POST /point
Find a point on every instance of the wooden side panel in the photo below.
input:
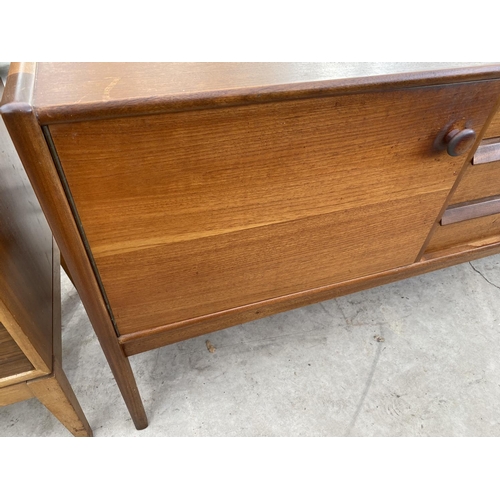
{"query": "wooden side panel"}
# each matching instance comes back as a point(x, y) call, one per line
point(25, 255)
point(197, 212)
point(56, 394)
point(12, 359)
point(20, 118)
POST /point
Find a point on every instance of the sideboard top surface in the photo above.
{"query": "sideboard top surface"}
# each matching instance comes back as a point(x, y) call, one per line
point(80, 91)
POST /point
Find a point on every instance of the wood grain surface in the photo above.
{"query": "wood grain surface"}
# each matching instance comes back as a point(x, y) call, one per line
point(221, 193)
point(479, 181)
point(192, 213)
point(12, 359)
point(80, 91)
point(144, 341)
point(25, 259)
point(483, 229)
point(56, 394)
point(24, 129)
point(494, 128)
point(14, 394)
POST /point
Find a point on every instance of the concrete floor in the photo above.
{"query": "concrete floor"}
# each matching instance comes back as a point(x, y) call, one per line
point(315, 371)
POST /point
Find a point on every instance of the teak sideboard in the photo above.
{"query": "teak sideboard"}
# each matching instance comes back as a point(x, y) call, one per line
point(189, 197)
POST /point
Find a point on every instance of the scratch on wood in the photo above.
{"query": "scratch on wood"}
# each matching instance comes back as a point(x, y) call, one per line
point(107, 91)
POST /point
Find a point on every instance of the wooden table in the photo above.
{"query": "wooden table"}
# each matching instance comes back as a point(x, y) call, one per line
point(30, 300)
point(190, 197)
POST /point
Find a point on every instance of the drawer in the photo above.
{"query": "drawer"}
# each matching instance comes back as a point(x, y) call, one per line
point(493, 129)
point(473, 214)
point(479, 181)
point(471, 210)
point(470, 223)
point(191, 213)
point(472, 233)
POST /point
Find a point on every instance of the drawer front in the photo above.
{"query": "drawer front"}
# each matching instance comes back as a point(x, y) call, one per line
point(493, 129)
point(470, 233)
point(471, 210)
point(191, 213)
point(479, 181)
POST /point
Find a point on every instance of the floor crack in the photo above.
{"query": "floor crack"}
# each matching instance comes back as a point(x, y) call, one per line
point(342, 312)
point(368, 384)
point(326, 310)
point(483, 276)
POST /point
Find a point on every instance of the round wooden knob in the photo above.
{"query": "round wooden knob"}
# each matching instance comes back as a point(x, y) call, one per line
point(459, 142)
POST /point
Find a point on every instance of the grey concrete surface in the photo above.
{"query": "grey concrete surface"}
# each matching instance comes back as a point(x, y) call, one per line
point(321, 370)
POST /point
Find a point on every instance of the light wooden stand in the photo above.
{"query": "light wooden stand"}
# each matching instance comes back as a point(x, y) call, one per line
point(30, 300)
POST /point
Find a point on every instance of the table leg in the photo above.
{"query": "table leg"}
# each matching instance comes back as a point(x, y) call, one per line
point(56, 394)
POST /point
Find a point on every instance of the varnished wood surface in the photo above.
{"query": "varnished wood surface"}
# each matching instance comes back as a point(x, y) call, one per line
point(145, 341)
point(480, 136)
point(454, 235)
point(53, 390)
point(14, 394)
point(137, 94)
point(23, 340)
point(56, 394)
point(191, 213)
point(23, 126)
point(189, 279)
point(471, 210)
point(12, 359)
point(30, 299)
point(479, 181)
point(25, 257)
point(494, 128)
point(78, 91)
